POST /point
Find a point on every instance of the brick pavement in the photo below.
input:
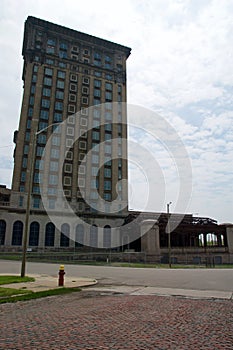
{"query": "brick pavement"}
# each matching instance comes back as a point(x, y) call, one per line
point(124, 322)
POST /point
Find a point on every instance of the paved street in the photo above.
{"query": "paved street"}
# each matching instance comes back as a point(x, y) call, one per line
point(85, 321)
point(193, 279)
point(123, 311)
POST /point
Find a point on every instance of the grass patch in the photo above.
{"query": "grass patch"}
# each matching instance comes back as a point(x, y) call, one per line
point(37, 295)
point(15, 279)
point(8, 292)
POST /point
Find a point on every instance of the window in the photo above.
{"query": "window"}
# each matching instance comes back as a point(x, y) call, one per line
point(62, 65)
point(47, 81)
point(84, 100)
point(73, 77)
point(79, 235)
point(39, 164)
point(85, 90)
point(34, 78)
point(23, 176)
point(44, 114)
point(107, 196)
point(67, 181)
point(82, 169)
point(94, 236)
point(65, 233)
point(52, 191)
point(45, 103)
point(36, 202)
point(55, 153)
point(72, 97)
point(94, 170)
point(17, 233)
point(108, 96)
point(62, 54)
point(33, 89)
point(82, 145)
point(86, 80)
point(107, 185)
point(60, 84)
point(69, 142)
point(49, 61)
point(69, 155)
point(53, 166)
point(68, 169)
point(36, 178)
point(97, 83)
point(59, 95)
point(24, 164)
point(95, 158)
point(108, 86)
point(71, 119)
point(98, 74)
point(39, 151)
point(83, 122)
point(25, 150)
point(46, 92)
point(70, 131)
point(35, 68)
point(31, 100)
point(34, 234)
point(73, 87)
point(82, 157)
point(41, 139)
point(94, 195)
point(57, 117)
point(20, 201)
point(95, 135)
point(71, 108)
point(30, 111)
point(53, 179)
point(27, 136)
point(51, 42)
point(107, 237)
point(107, 172)
point(42, 125)
point(108, 76)
point(2, 231)
point(97, 93)
point(81, 182)
point(48, 71)
point(61, 74)
point(108, 148)
point(36, 189)
point(96, 124)
point(49, 234)
point(56, 141)
point(58, 106)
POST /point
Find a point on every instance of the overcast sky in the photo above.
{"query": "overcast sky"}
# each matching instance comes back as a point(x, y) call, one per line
point(181, 67)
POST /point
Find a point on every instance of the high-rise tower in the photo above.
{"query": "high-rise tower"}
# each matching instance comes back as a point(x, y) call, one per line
point(65, 72)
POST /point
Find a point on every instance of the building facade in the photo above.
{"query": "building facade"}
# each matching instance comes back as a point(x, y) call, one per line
point(71, 153)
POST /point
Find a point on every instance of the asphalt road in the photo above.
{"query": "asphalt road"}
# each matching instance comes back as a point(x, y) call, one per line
point(196, 279)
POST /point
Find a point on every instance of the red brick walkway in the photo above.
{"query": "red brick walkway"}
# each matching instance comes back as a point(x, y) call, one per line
point(75, 322)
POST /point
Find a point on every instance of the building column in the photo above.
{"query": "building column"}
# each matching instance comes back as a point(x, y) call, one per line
point(150, 237)
point(229, 232)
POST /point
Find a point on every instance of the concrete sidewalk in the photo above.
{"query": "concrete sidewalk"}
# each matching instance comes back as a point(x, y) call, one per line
point(140, 290)
point(46, 282)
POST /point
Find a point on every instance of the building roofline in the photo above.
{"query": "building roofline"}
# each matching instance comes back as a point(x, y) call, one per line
point(76, 34)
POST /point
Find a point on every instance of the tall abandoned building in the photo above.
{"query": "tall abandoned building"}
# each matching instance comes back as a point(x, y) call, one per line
point(74, 109)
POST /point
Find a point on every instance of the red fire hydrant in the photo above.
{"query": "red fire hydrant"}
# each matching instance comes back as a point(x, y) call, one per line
point(61, 275)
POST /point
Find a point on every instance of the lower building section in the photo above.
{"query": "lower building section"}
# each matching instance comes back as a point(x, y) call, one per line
point(136, 237)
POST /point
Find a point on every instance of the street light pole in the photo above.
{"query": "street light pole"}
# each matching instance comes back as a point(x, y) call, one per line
point(169, 235)
point(27, 214)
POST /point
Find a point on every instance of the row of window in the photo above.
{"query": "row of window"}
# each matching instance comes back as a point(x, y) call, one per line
point(17, 234)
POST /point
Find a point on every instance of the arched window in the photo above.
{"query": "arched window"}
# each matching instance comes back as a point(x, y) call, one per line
point(2, 231)
point(79, 236)
point(65, 233)
point(34, 234)
point(94, 236)
point(49, 234)
point(17, 234)
point(107, 237)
